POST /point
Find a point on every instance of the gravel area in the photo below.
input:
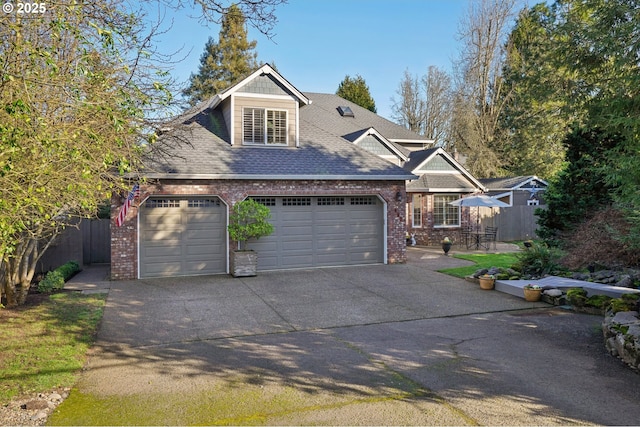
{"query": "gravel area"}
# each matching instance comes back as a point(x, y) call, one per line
point(31, 410)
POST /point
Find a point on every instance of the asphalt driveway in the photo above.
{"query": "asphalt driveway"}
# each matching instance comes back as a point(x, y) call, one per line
point(370, 345)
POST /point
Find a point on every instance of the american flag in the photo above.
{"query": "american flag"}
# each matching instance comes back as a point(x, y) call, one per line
point(135, 192)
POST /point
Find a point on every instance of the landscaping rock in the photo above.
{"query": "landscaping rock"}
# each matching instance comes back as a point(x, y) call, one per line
point(625, 281)
point(581, 276)
point(31, 410)
point(622, 336)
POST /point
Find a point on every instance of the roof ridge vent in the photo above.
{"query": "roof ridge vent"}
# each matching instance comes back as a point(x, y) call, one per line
point(345, 111)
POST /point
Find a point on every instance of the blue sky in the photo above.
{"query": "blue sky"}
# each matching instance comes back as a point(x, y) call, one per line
point(318, 42)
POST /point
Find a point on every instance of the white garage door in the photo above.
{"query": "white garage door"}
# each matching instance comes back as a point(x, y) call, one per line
point(182, 237)
point(321, 231)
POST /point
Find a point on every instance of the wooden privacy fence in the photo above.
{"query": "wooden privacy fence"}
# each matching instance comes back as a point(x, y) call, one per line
point(89, 243)
point(514, 223)
point(96, 241)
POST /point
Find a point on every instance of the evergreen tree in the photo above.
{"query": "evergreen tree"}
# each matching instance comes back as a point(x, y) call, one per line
point(580, 188)
point(356, 90)
point(534, 118)
point(223, 63)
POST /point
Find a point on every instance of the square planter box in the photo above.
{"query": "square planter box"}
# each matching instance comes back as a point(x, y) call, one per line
point(244, 263)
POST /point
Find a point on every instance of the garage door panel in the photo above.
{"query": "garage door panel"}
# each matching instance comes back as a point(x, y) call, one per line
point(295, 232)
point(297, 245)
point(196, 267)
point(166, 269)
point(158, 221)
point(162, 251)
point(325, 231)
point(182, 237)
point(205, 220)
point(204, 250)
point(326, 244)
point(331, 229)
point(168, 236)
point(363, 243)
point(297, 260)
point(332, 215)
point(207, 234)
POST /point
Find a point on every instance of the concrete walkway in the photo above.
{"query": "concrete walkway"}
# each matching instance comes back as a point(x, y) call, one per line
point(362, 345)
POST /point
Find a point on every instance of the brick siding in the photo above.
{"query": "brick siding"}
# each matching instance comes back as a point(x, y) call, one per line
point(124, 239)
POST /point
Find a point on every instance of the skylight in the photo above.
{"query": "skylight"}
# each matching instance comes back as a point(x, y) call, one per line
point(345, 111)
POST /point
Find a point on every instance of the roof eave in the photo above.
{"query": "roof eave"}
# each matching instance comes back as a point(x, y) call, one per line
point(271, 177)
point(441, 190)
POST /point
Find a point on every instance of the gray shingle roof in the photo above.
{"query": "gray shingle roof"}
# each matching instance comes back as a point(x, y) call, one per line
point(323, 111)
point(201, 149)
point(417, 157)
point(441, 183)
point(509, 183)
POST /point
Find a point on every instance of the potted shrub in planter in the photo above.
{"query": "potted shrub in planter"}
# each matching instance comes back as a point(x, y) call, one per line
point(532, 292)
point(248, 220)
point(487, 281)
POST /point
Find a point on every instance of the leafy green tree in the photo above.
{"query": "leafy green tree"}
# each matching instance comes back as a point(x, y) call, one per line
point(73, 104)
point(534, 120)
point(602, 38)
point(583, 74)
point(80, 91)
point(580, 188)
point(356, 90)
point(223, 63)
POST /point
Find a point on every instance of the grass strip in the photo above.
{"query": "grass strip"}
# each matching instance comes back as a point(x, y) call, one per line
point(44, 344)
point(505, 260)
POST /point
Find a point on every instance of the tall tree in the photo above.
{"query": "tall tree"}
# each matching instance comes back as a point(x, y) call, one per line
point(479, 85)
point(259, 13)
point(356, 90)
point(602, 48)
point(535, 118)
point(223, 63)
point(71, 123)
point(424, 104)
point(79, 86)
point(410, 109)
point(438, 98)
point(580, 188)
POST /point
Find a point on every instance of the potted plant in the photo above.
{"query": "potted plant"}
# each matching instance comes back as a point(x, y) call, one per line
point(487, 281)
point(248, 220)
point(532, 292)
point(446, 245)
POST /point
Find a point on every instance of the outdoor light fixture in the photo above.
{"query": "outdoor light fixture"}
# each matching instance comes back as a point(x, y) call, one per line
point(398, 197)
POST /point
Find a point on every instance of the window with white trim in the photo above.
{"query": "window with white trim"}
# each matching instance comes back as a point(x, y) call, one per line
point(261, 126)
point(444, 214)
point(416, 202)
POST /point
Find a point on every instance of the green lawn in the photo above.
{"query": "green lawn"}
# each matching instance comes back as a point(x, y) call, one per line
point(481, 261)
point(44, 343)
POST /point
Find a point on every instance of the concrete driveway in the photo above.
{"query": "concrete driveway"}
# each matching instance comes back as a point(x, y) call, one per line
point(371, 345)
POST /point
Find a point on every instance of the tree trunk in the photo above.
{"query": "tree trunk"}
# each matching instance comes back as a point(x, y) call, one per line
point(17, 271)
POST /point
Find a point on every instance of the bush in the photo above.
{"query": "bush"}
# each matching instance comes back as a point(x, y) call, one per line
point(249, 220)
point(54, 280)
point(538, 260)
point(602, 240)
point(577, 297)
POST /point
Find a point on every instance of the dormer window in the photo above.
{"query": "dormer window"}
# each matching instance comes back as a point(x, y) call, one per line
point(261, 126)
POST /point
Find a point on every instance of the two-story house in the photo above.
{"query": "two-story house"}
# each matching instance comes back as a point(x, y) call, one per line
point(331, 178)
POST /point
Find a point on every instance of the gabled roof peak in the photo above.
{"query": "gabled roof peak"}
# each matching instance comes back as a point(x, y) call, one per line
point(266, 69)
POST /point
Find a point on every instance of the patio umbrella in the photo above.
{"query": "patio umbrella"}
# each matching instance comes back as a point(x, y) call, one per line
point(479, 201)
